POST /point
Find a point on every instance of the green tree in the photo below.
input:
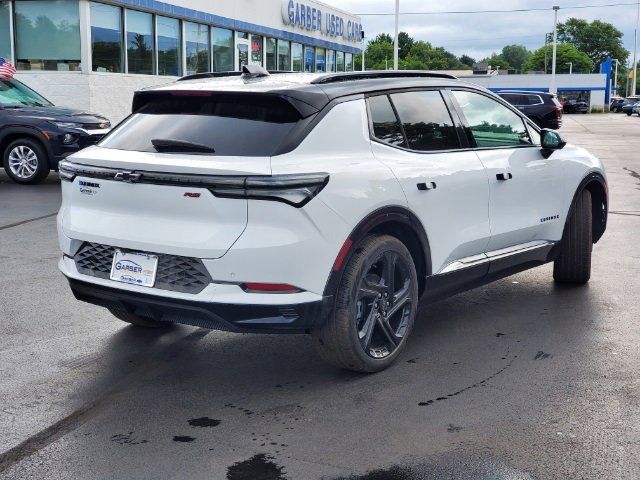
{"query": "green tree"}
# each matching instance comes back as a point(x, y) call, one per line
point(467, 60)
point(405, 42)
point(496, 60)
point(382, 38)
point(566, 53)
point(597, 39)
point(378, 55)
point(515, 55)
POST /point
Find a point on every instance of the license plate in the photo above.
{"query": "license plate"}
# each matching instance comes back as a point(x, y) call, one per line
point(134, 268)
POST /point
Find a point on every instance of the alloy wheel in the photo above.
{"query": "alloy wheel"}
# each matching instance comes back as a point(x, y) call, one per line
point(383, 305)
point(23, 162)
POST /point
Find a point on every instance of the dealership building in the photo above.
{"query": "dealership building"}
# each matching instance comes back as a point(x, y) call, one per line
point(94, 54)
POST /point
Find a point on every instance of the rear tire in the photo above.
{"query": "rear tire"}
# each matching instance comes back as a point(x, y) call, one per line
point(25, 161)
point(574, 263)
point(375, 307)
point(122, 314)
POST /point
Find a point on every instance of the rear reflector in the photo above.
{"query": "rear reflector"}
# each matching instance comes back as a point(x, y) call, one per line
point(343, 253)
point(253, 287)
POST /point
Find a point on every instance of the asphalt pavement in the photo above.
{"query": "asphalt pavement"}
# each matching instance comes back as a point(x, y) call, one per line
point(520, 379)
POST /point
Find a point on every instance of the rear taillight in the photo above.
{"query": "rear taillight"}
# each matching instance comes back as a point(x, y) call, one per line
point(256, 287)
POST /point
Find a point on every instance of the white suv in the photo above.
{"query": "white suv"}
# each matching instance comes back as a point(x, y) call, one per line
point(325, 204)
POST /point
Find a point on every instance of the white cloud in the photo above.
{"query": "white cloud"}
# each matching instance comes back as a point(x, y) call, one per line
point(481, 34)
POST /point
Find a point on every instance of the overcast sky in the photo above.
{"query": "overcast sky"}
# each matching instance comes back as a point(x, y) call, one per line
point(481, 34)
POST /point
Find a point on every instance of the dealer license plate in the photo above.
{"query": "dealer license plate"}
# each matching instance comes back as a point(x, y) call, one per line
point(134, 268)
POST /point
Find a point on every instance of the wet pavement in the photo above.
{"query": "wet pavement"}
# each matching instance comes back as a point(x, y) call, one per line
point(520, 379)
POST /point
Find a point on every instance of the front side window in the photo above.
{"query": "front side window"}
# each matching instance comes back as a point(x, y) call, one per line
point(256, 50)
point(169, 46)
point(386, 127)
point(426, 120)
point(5, 31)
point(222, 45)
point(197, 43)
point(220, 124)
point(491, 123)
point(139, 42)
point(271, 54)
point(284, 55)
point(296, 57)
point(106, 38)
point(47, 35)
point(339, 61)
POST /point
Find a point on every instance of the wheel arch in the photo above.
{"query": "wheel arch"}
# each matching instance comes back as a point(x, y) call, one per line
point(10, 134)
point(397, 221)
point(597, 186)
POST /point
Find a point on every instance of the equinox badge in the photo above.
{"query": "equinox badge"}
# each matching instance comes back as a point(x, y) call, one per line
point(129, 177)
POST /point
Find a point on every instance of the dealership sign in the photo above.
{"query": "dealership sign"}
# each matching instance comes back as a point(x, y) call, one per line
point(316, 17)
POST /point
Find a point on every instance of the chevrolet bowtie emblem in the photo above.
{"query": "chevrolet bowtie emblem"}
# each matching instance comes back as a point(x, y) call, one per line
point(129, 177)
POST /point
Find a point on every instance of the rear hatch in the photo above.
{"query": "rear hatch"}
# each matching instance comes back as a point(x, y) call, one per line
point(147, 185)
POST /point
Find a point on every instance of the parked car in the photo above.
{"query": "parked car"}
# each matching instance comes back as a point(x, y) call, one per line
point(541, 107)
point(575, 106)
point(325, 204)
point(35, 135)
point(627, 105)
point(616, 105)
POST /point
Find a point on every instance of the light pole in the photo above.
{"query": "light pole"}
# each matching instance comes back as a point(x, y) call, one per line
point(395, 43)
point(615, 77)
point(362, 36)
point(552, 88)
point(635, 49)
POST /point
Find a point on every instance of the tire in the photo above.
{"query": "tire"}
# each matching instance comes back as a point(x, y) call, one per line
point(628, 114)
point(574, 263)
point(353, 337)
point(122, 314)
point(25, 161)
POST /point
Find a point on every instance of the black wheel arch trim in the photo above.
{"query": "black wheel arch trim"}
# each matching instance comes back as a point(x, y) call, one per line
point(31, 133)
point(600, 211)
point(373, 221)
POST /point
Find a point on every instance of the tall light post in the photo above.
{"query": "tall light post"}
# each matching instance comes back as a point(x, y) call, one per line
point(362, 36)
point(635, 49)
point(395, 42)
point(615, 76)
point(552, 88)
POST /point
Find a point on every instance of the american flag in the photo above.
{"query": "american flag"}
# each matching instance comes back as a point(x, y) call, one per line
point(6, 69)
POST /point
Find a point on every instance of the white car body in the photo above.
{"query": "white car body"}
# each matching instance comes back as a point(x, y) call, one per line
point(471, 227)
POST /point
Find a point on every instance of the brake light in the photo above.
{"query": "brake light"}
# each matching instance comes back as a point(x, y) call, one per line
point(191, 93)
point(256, 287)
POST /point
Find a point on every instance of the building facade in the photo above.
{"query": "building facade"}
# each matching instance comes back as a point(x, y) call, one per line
point(94, 54)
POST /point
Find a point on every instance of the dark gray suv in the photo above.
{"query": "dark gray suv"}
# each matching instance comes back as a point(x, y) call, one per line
point(543, 108)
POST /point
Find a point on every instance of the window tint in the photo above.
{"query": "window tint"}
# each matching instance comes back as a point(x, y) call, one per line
point(426, 120)
point(385, 124)
point(533, 100)
point(492, 124)
point(247, 125)
point(513, 98)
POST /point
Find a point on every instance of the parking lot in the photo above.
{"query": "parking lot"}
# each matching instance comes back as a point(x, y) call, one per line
point(519, 379)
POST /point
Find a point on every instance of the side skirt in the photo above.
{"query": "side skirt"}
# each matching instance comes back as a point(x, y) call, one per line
point(443, 285)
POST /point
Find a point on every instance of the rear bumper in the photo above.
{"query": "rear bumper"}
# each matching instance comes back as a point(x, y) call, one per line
point(249, 318)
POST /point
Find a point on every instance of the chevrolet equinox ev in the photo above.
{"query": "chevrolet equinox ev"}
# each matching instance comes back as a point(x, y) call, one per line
point(326, 204)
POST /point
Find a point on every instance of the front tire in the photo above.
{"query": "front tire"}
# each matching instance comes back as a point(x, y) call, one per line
point(25, 161)
point(574, 263)
point(122, 314)
point(374, 310)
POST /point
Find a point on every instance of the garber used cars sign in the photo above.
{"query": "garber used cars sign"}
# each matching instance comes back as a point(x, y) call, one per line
point(316, 17)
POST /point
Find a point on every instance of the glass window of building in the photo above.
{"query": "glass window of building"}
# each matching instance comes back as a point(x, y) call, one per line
point(348, 62)
point(222, 49)
point(309, 59)
point(256, 50)
point(320, 60)
point(139, 42)
point(5, 31)
point(339, 61)
point(197, 47)
point(284, 55)
point(47, 35)
point(331, 60)
point(106, 38)
point(242, 44)
point(169, 51)
point(271, 54)
point(296, 57)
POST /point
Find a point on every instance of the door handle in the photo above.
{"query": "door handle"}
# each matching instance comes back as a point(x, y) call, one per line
point(426, 186)
point(504, 176)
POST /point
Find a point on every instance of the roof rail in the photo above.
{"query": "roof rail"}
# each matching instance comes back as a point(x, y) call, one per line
point(371, 74)
point(231, 73)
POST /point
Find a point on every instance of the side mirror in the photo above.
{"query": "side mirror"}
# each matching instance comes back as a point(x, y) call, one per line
point(551, 140)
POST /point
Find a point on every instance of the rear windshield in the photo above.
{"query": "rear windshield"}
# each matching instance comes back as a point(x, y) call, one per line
point(228, 125)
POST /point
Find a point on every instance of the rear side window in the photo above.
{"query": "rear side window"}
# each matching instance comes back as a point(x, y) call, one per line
point(386, 127)
point(492, 124)
point(533, 100)
point(426, 121)
point(513, 98)
point(227, 125)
